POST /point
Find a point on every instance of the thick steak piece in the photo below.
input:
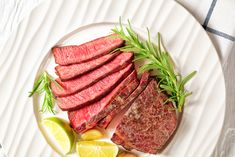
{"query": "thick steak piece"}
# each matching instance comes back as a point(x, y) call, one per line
point(66, 55)
point(88, 116)
point(86, 80)
point(148, 123)
point(94, 92)
point(124, 100)
point(66, 72)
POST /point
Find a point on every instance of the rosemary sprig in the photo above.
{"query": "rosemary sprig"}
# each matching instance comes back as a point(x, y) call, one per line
point(159, 59)
point(42, 86)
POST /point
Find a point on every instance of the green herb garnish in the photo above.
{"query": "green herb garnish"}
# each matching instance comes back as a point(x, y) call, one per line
point(42, 86)
point(159, 59)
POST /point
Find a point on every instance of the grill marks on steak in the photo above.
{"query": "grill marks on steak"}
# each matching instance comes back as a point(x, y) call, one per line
point(125, 99)
point(77, 54)
point(74, 70)
point(88, 116)
point(94, 92)
point(80, 83)
point(149, 123)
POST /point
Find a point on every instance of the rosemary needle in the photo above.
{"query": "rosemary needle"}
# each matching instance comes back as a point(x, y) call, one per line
point(42, 86)
point(159, 59)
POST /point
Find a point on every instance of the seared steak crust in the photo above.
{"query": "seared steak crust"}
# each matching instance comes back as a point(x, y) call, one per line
point(149, 123)
point(125, 100)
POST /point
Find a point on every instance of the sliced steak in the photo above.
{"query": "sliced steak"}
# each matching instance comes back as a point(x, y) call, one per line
point(94, 92)
point(82, 82)
point(124, 100)
point(66, 55)
point(66, 72)
point(88, 116)
point(148, 123)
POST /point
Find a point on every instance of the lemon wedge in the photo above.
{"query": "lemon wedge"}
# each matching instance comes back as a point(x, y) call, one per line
point(96, 149)
point(92, 134)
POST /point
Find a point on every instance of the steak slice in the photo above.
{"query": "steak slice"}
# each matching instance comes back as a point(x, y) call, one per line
point(86, 80)
point(80, 53)
point(148, 123)
point(88, 116)
point(94, 92)
point(66, 72)
point(125, 100)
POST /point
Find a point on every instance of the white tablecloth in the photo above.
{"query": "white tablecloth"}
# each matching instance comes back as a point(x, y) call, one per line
point(216, 16)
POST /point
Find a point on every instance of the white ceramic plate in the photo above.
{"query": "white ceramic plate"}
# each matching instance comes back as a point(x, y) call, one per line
point(28, 52)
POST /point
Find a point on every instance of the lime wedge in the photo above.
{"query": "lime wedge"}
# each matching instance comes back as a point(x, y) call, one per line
point(61, 132)
point(92, 134)
point(96, 149)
